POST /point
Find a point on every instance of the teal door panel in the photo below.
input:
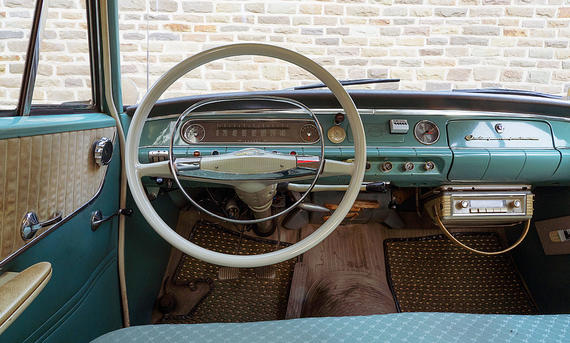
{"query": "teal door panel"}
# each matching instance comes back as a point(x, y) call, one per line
point(84, 280)
point(95, 313)
point(146, 268)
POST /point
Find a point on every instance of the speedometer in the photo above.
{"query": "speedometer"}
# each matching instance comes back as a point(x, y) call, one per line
point(426, 132)
point(192, 133)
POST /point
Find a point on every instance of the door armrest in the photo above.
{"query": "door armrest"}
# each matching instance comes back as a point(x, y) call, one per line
point(18, 290)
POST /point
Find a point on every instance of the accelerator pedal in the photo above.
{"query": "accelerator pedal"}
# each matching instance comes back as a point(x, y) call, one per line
point(266, 272)
point(228, 273)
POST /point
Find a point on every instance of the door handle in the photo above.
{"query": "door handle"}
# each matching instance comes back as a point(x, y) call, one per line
point(31, 224)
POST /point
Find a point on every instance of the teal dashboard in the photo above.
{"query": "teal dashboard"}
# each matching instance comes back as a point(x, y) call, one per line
point(413, 138)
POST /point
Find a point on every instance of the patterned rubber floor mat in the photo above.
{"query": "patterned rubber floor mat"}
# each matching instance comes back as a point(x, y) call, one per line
point(431, 274)
point(247, 294)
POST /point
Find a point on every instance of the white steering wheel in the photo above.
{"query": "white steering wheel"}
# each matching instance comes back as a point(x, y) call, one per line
point(136, 170)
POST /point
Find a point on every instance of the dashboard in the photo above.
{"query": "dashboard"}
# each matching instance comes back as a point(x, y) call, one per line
point(413, 139)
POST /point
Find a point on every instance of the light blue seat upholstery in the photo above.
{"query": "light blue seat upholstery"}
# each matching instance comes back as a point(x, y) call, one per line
point(400, 327)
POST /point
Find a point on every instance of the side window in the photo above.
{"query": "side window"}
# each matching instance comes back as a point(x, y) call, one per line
point(64, 74)
point(15, 26)
point(63, 77)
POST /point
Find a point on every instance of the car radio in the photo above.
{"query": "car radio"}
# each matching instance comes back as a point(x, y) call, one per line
point(480, 205)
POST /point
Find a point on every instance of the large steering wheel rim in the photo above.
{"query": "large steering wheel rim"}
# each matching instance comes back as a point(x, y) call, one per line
point(132, 163)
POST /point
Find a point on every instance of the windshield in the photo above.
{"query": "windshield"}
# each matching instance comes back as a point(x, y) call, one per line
point(429, 45)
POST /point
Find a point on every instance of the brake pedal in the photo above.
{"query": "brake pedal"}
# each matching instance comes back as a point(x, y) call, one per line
point(266, 272)
point(228, 273)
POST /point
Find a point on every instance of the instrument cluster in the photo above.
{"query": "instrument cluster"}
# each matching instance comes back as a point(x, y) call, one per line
point(247, 131)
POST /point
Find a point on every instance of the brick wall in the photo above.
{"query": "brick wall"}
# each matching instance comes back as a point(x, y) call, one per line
point(429, 44)
point(63, 72)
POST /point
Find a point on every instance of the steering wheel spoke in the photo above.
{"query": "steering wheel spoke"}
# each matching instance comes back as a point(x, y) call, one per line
point(335, 168)
point(155, 169)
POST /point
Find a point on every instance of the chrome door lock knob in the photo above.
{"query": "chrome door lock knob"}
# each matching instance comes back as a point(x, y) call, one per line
point(102, 151)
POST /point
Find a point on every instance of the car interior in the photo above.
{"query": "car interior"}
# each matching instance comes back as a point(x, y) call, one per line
point(315, 213)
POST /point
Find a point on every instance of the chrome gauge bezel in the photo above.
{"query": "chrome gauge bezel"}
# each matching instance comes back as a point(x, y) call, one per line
point(311, 127)
point(184, 131)
point(432, 123)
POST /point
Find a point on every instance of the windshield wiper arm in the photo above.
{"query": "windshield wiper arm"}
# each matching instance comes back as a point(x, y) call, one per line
point(347, 83)
point(508, 92)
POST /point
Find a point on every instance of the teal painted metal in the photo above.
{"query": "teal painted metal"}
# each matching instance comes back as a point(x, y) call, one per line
point(517, 134)
point(562, 174)
point(11, 127)
point(377, 127)
point(561, 133)
point(540, 165)
point(469, 164)
point(499, 159)
point(523, 152)
point(113, 16)
point(146, 258)
point(96, 311)
point(535, 161)
point(77, 256)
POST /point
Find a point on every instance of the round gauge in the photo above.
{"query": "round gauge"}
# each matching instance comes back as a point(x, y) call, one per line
point(192, 133)
point(336, 134)
point(309, 133)
point(426, 132)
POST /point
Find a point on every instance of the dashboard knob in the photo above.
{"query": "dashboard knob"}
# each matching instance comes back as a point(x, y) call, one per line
point(429, 165)
point(102, 151)
point(517, 203)
point(499, 128)
point(386, 166)
point(408, 166)
point(464, 203)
